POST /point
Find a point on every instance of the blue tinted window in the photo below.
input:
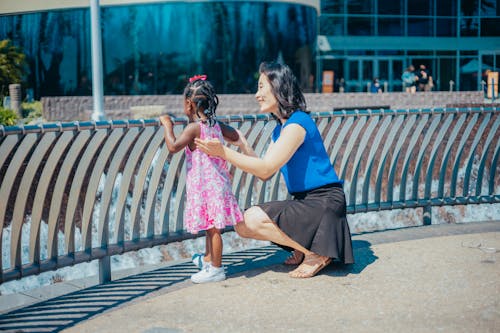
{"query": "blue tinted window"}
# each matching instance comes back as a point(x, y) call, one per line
point(446, 27)
point(360, 7)
point(420, 7)
point(419, 27)
point(390, 26)
point(147, 49)
point(360, 26)
point(391, 7)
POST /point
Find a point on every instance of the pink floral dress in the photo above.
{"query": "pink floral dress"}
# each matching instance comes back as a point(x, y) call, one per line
point(210, 201)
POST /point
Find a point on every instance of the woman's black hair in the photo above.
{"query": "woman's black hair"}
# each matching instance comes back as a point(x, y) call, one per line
point(285, 88)
point(202, 93)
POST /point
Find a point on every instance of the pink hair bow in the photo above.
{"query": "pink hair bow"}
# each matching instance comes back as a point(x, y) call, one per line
point(197, 77)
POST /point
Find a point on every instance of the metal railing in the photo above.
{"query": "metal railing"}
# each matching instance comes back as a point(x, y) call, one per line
point(89, 190)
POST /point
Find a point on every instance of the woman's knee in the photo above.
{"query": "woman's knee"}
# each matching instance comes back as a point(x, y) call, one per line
point(252, 219)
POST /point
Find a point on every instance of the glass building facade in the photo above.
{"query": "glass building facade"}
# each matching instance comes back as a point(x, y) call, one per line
point(152, 48)
point(457, 40)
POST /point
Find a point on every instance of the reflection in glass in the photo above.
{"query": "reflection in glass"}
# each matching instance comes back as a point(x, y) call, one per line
point(446, 8)
point(332, 25)
point(360, 26)
point(420, 7)
point(394, 7)
point(360, 7)
point(490, 27)
point(419, 27)
point(147, 49)
point(446, 27)
point(390, 27)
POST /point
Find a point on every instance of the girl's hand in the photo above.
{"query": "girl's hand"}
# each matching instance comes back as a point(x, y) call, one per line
point(212, 147)
point(165, 120)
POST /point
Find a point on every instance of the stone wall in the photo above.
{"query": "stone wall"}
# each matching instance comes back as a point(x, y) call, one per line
point(71, 108)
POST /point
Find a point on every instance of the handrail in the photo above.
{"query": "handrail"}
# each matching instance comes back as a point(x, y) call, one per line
point(89, 190)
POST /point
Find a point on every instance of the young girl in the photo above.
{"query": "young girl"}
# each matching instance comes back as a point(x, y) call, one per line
point(210, 203)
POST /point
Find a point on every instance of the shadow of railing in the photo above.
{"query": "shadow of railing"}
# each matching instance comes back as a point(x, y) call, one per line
point(55, 314)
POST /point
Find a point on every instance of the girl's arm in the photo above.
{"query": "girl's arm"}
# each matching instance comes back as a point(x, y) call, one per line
point(229, 133)
point(276, 155)
point(234, 137)
point(186, 138)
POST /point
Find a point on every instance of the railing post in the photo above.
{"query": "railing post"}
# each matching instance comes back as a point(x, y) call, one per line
point(427, 216)
point(104, 269)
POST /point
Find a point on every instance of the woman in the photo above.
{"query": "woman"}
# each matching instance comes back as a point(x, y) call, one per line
point(314, 222)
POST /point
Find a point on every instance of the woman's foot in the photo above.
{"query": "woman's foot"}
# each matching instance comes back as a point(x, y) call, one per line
point(311, 265)
point(295, 259)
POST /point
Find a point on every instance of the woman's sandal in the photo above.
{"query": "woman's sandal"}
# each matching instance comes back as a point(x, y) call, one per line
point(311, 265)
point(295, 259)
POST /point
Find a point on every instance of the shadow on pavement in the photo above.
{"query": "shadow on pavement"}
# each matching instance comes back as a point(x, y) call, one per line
point(56, 314)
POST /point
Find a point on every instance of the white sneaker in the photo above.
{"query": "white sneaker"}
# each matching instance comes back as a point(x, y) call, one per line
point(209, 274)
point(198, 261)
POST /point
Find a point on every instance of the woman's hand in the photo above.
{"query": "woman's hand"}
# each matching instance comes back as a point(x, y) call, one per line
point(212, 147)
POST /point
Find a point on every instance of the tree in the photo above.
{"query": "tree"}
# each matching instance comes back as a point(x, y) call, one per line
point(12, 65)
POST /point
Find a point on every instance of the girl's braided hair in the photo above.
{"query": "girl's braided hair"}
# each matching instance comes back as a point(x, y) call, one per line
point(202, 93)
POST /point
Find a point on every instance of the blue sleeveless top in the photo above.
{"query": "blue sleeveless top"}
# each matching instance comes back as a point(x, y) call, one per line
point(310, 166)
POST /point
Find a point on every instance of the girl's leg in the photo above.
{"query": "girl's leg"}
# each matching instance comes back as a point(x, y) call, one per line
point(214, 242)
point(207, 257)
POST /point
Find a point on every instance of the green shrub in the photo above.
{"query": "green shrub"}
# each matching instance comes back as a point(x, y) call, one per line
point(31, 111)
point(7, 117)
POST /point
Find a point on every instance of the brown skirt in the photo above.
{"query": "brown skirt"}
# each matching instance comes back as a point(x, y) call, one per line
point(316, 220)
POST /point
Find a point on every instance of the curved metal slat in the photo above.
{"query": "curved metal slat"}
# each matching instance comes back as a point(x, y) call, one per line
point(327, 139)
point(15, 164)
point(460, 149)
point(62, 180)
point(493, 133)
point(413, 141)
point(62, 143)
point(362, 146)
point(154, 182)
point(59, 189)
point(176, 223)
point(259, 147)
point(28, 176)
point(140, 180)
point(405, 133)
point(493, 170)
point(386, 124)
point(112, 139)
point(251, 133)
point(447, 153)
point(245, 128)
point(353, 138)
point(395, 128)
point(113, 170)
point(74, 194)
point(176, 162)
point(424, 144)
point(6, 147)
point(339, 140)
point(127, 175)
point(472, 152)
point(443, 130)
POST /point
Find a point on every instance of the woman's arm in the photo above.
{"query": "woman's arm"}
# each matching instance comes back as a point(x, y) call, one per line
point(186, 138)
point(276, 155)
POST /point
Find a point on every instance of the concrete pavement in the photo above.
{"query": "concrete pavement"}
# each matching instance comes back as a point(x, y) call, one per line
point(441, 278)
